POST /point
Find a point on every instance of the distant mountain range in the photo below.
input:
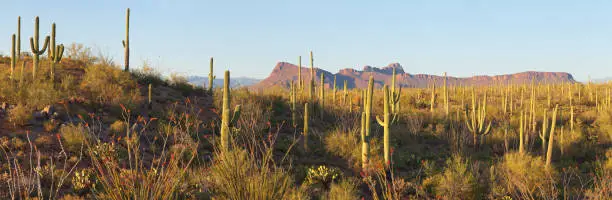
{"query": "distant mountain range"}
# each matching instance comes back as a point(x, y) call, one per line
point(234, 81)
point(283, 73)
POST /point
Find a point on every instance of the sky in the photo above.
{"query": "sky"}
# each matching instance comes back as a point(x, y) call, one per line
point(461, 37)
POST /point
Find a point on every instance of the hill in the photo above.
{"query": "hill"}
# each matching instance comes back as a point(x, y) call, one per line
point(283, 73)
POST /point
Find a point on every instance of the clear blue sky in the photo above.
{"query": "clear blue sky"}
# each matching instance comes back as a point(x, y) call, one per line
point(464, 38)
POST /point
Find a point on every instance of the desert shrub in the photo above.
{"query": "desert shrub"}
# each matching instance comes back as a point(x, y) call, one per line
point(457, 181)
point(346, 189)
point(236, 175)
point(77, 51)
point(118, 127)
point(109, 85)
point(147, 75)
point(20, 115)
point(345, 145)
point(604, 123)
point(74, 136)
point(322, 175)
point(525, 177)
point(43, 140)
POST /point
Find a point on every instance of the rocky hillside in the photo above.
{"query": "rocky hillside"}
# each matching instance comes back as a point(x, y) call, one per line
point(284, 73)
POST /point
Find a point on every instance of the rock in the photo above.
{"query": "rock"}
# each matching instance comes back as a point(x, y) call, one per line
point(4, 106)
point(47, 111)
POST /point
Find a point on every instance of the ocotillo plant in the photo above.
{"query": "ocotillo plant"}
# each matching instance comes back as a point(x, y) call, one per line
point(34, 46)
point(305, 133)
point(386, 123)
point(365, 125)
point(55, 53)
point(551, 137)
point(476, 120)
point(211, 77)
point(13, 57)
point(226, 120)
point(322, 96)
point(126, 42)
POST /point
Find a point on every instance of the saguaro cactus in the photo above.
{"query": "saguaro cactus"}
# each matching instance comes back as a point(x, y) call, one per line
point(551, 137)
point(150, 96)
point(55, 53)
point(300, 83)
point(305, 133)
point(293, 102)
point(34, 46)
point(334, 91)
point(544, 130)
point(18, 37)
point(126, 42)
point(13, 57)
point(522, 133)
point(386, 123)
point(365, 125)
point(394, 95)
point(226, 120)
point(433, 96)
point(312, 78)
point(476, 121)
point(211, 77)
point(445, 91)
point(322, 96)
point(345, 95)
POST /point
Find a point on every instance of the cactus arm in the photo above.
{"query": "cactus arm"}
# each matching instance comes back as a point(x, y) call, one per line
point(44, 48)
point(235, 116)
point(380, 122)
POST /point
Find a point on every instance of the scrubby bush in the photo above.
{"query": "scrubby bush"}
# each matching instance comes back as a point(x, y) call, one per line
point(109, 85)
point(457, 181)
point(525, 177)
point(20, 115)
point(236, 175)
point(74, 136)
point(346, 189)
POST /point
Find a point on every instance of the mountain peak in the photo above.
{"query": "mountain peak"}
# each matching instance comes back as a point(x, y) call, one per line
point(285, 72)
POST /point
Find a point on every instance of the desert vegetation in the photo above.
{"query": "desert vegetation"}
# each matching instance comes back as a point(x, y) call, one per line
point(79, 127)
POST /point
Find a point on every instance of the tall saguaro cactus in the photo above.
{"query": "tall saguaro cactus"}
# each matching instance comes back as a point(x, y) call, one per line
point(35, 47)
point(433, 96)
point(394, 95)
point(544, 130)
point(386, 123)
point(312, 78)
point(334, 91)
point(345, 95)
point(445, 91)
point(293, 102)
point(300, 83)
point(365, 124)
point(18, 47)
point(211, 77)
point(476, 120)
point(226, 120)
point(322, 96)
point(551, 137)
point(13, 57)
point(126, 42)
point(305, 133)
point(55, 53)
point(522, 133)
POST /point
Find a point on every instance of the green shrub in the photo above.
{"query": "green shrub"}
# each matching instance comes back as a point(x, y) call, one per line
point(457, 181)
point(20, 115)
point(237, 175)
point(74, 136)
point(110, 85)
point(525, 177)
point(346, 189)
